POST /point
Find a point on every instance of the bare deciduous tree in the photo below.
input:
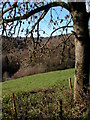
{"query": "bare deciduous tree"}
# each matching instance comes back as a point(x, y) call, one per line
point(13, 15)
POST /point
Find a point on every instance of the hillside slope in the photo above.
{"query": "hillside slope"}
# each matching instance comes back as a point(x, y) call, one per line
point(39, 96)
point(56, 55)
point(36, 82)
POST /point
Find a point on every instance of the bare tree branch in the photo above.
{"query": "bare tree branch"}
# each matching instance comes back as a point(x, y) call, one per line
point(55, 31)
point(13, 6)
point(61, 28)
point(32, 12)
point(40, 18)
point(63, 41)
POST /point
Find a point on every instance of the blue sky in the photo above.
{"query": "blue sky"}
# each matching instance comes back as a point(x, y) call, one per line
point(62, 14)
point(45, 24)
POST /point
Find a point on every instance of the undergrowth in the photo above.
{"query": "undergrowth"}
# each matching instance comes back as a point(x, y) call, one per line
point(50, 104)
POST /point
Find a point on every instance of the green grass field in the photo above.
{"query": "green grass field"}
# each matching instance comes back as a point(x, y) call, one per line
point(32, 106)
point(38, 81)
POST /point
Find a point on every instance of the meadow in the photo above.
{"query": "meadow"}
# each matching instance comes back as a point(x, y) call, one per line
point(38, 81)
point(42, 96)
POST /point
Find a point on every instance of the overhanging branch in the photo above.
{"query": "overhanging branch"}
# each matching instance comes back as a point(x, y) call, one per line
point(40, 18)
point(55, 31)
point(61, 28)
point(32, 12)
point(13, 6)
point(63, 41)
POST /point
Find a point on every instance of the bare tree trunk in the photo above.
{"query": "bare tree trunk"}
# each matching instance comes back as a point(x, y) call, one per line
point(80, 21)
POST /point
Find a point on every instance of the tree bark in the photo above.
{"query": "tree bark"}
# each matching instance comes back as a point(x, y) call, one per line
point(80, 24)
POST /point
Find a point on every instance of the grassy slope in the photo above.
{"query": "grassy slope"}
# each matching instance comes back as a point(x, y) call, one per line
point(35, 82)
point(38, 81)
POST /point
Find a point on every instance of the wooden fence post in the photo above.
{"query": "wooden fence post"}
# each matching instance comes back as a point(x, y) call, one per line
point(70, 84)
point(60, 113)
point(47, 108)
point(43, 115)
point(14, 107)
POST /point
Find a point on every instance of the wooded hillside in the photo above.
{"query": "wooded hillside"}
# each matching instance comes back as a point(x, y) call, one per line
point(21, 59)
